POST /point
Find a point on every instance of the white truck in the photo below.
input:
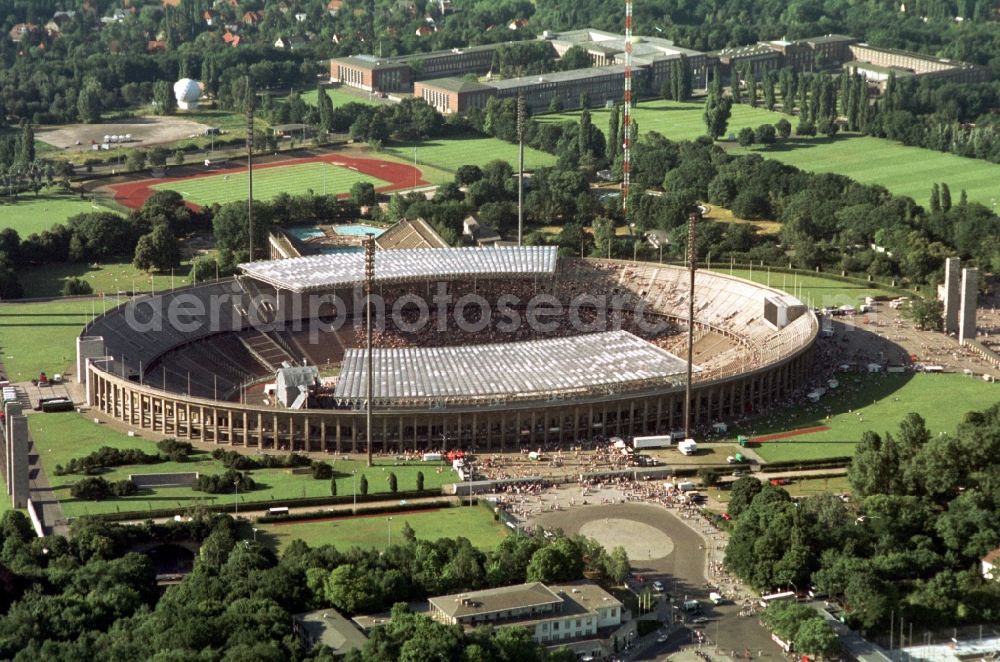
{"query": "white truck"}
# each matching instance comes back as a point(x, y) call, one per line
point(688, 447)
point(662, 441)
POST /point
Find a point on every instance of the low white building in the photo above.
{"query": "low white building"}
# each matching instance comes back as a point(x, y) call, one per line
point(580, 615)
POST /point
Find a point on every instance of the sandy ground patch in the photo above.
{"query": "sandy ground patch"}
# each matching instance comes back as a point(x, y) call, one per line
point(144, 131)
point(642, 542)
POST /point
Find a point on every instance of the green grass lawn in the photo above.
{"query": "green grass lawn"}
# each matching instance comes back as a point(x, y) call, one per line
point(340, 96)
point(903, 170)
point(476, 524)
point(816, 290)
point(31, 215)
point(877, 403)
point(41, 336)
point(451, 153)
point(61, 437)
point(269, 182)
point(5, 503)
point(676, 120)
point(48, 280)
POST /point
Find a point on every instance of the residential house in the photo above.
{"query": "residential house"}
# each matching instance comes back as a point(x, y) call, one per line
point(990, 563)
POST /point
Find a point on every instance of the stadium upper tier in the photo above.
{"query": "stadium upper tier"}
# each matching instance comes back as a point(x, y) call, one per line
point(586, 364)
point(325, 272)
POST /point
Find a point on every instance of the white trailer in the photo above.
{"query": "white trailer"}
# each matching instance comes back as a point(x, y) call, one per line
point(688, 447)
point(662, 441)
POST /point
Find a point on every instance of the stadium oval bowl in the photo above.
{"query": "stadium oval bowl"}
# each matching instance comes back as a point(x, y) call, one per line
point(192, 362)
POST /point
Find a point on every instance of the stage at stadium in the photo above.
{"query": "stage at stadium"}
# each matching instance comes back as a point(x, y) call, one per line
point(476, 347)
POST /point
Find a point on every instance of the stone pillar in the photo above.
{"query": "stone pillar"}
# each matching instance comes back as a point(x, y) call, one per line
point(11, 409)
point(20, 483)
point(87, 347)
point(952, 296)
point(967, 314)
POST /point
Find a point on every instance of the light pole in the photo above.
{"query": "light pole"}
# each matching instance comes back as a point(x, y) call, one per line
point(255, 534)
point(236, 484)
point(388, 525)
point(354, 483)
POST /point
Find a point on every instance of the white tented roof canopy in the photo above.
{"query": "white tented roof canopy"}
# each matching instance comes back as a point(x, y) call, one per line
point(323, 272)
point(597, 363)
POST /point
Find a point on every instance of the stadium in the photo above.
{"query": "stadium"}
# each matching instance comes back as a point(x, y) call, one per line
point(483, 348)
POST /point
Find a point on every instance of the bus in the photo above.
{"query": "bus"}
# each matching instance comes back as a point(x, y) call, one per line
point(765, 600)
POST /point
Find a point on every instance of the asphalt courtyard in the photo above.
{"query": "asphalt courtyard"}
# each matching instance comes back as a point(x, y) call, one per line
point(676, 549)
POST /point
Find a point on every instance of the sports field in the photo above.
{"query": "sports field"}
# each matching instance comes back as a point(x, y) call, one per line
point(41, 336)
point(60, 437)
point(370, 531)
point(48, 280)
point(903, 170)
point(30, 215)
point(870, 402)
point(817, 291)
point(319, 177)
point(451, 153)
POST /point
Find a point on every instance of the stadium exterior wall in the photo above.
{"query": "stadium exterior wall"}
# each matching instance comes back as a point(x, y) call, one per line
point(635, 413)
point(506, 425)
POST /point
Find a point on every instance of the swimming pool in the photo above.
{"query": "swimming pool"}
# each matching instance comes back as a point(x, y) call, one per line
point(357, 230)
point(304, 233)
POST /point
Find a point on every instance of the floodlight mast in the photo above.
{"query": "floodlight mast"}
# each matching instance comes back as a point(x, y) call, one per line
point(627, 114)
point(521, 119)
point(369, 286)
point(249, 105)
point(692, 255)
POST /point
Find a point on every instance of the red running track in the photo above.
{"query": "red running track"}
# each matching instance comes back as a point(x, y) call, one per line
point(399, 176)
point(790, 433)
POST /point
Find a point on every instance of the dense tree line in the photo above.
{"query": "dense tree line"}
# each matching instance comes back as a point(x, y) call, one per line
point(925, 515)
point(105, 457)
point(827, 220)
point(87, 598)
point(95, 488)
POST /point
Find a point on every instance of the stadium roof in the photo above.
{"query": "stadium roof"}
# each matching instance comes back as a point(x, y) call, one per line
point(323, 272)
point(595, 363)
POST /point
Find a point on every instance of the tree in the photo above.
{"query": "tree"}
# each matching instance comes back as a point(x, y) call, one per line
point(945, 198)
point(333, 486)
point(363, 485)
point(179, 157)
point(157, 250)
point(926, 314)
point(556, 104)
point(88, 103)
point(136, 160)
point(604, 236)
point(783, 128)
point(158, 157)
point(76, 286)
point(618, 565)
point(717, 112)
point(363, 194)
point(828, 127)
point(805, 128)
point(393, 484)
point(325, 107)
point(764, 134)
point(163, 97)
point(745, 137)
point(420, 481)
point(817, 638)
point(26, 146)
point(742, 493)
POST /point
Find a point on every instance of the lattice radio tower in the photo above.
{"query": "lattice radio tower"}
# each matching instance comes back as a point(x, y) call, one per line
point(627, 116)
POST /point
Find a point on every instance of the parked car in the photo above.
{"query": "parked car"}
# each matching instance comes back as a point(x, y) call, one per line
point(658, 586)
